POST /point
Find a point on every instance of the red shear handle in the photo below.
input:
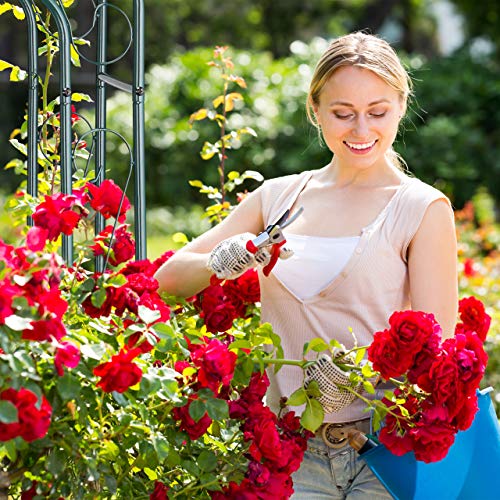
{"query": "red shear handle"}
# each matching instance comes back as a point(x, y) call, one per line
point(251, 247)
point(275, 253)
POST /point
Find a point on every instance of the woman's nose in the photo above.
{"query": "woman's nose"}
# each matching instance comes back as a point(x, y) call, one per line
point(360, 126)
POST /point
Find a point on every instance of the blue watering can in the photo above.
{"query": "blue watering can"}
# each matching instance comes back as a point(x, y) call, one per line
point(470, 470)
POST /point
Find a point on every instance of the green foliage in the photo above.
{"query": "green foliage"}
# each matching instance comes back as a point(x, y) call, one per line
point(453, 132)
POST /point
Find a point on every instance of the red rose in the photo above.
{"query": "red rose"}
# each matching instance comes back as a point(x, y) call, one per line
point(120, 373)
point(57, 215)
point(215, 362)
point(36, 238)
point(162, 259)
point(33, 422)
point(412, 329)
point(471, 360)
point(219, 318)
point(109, 200)
point(419, 372)
point(474, 316)
point(187, 423)
point(387, 357)
point(444, 377)
point(431, 441)
point(465, 416)
point(7, 293)
point(45, 330)
point(160, 492)
point(246, 287)
point(67, 354)
point(122, 246)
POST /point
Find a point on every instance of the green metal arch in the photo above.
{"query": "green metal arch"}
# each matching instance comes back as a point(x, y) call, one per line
point(103, 80)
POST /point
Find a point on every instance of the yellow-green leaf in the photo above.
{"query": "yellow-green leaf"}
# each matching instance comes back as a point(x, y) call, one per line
point(75, 57)
point(5, 65)
point(233, 175)
point(201, 114)
point(18, 12)
point(17, 74)
point(297, 398)
point(180, 238)
point(78, 97)
point(5, 7)
point(218, 101)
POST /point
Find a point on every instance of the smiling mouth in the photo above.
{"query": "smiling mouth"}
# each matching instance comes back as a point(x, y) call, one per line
point(360, 147)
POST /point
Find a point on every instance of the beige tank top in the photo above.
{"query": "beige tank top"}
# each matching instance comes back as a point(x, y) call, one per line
point(371, 286)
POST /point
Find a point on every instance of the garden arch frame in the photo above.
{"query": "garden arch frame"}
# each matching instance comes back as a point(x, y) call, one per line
point(103, 80)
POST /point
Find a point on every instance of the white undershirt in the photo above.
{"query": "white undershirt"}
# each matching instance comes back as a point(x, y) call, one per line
point(315, 263)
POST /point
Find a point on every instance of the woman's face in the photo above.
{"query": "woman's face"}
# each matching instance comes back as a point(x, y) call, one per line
point(359, 116)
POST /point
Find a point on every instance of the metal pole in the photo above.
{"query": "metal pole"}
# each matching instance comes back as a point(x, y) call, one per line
point(138, 126)
point(64, 30)
point(32, 159)
point(100, 114)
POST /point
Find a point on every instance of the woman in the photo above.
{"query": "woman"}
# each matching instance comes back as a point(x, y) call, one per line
point(371, 240)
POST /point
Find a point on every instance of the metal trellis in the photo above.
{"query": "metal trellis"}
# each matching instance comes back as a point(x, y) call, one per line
point(103, 80)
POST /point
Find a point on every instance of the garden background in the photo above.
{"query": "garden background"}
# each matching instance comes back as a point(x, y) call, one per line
point(450, 139)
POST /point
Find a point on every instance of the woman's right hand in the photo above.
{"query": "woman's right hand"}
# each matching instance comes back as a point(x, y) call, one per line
point(230, 258)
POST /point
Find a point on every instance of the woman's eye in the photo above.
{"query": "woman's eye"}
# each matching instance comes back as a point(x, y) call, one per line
point(377, 115)
point(342, 117)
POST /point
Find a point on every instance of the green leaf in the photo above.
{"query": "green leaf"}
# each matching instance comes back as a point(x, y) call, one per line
point(56, 461)
point(161, 447)
point(117, 280)
point(316, 345)
point(68, 387)
point(197, 409)
point(233, 175)
point(368, 386)
point(209, 150)
point(78, 97)
point(75, 57)
point(367, 371)
point(297, 398)
point(180, 238)
point(312, 416)
point(376, 419)
point(313, 389)
point(98, 297)
point(8, 412)
point(147, 315)
point(360, 355)
point(18, 323)
point(217, 409)
point(196, 183)
point(207, 461)
point(93, 351)
point(163, 330)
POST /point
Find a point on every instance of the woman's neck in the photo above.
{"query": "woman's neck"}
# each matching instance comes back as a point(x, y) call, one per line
point(342, 176)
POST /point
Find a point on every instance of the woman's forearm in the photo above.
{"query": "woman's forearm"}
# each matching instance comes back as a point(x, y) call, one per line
point(184, 274)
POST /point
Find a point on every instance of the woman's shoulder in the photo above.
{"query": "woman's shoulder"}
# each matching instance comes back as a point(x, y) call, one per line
point(420, 192)
point(285, 181)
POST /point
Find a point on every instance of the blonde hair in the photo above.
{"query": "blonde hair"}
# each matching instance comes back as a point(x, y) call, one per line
point(365, 51)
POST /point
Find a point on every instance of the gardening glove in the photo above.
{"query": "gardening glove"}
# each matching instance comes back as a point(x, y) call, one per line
point(327, 374)
point(230, 258)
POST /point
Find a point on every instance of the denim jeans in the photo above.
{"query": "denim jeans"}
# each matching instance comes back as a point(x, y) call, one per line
point(337, 474)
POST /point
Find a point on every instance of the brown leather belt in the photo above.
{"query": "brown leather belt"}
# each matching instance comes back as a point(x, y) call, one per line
point(334, 435)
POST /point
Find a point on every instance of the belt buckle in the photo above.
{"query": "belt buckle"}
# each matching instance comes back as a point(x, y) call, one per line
point(335, 435)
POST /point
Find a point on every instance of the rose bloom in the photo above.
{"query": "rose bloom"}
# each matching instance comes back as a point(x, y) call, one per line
point(123, 246)
point(188, 424)
point(246, 287)
point(106, 200)
point(215, 364)
point(387, 357)
point(220, 317)
point(56, 215)
point(45, 330)
point(36, 238)
point(160, 492)
point(120, 373)
point(68, 355)
point(412, 329)
point(431, 441)
point(33, 422)
point(474, 316)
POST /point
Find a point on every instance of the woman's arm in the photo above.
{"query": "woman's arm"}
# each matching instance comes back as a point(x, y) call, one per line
point(185, 273)
point(432, 264)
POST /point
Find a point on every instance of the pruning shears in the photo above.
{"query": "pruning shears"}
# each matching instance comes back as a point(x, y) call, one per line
point(272, 236)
